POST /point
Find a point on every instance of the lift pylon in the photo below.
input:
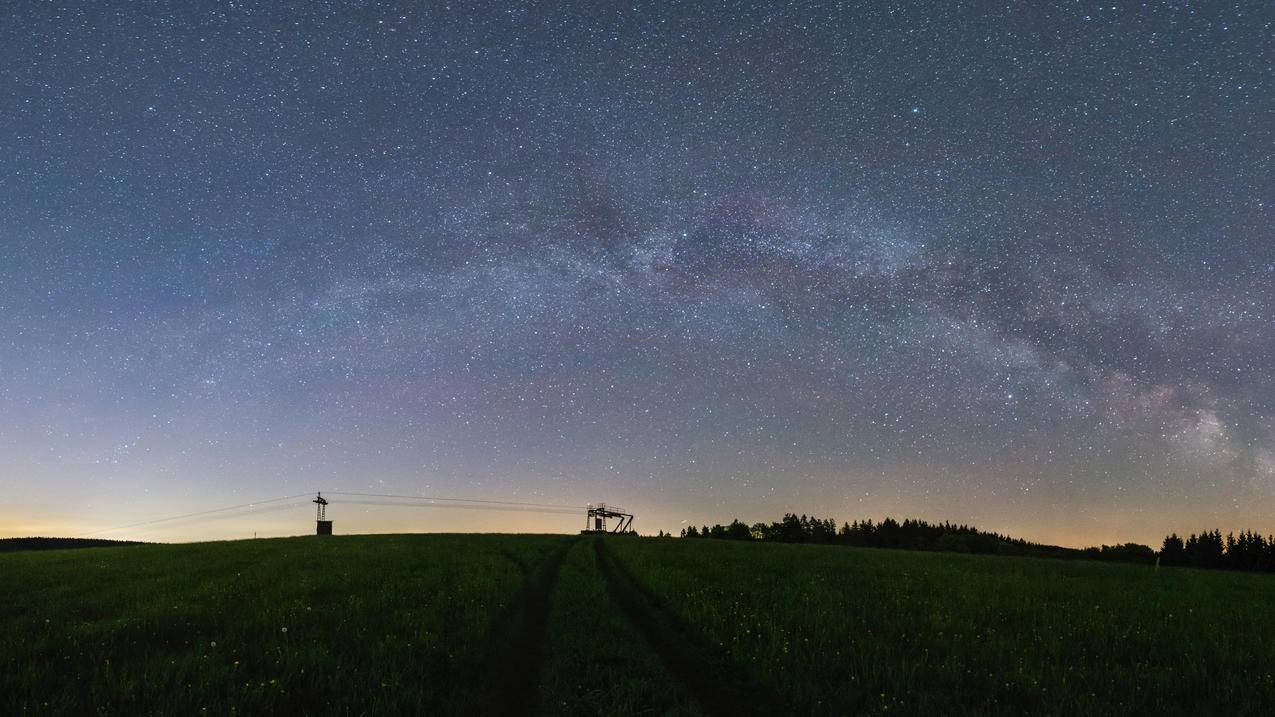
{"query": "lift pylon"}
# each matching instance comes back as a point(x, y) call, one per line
point(322, 526)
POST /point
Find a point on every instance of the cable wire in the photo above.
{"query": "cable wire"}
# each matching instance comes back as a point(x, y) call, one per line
point(421, 502)
point(462, 500)
point(199, 513)
point(460, 506)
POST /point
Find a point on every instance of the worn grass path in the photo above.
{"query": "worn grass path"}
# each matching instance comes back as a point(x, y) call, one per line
point(598, 662)
point(588, 638)
point(514, 650)
point(706, 673)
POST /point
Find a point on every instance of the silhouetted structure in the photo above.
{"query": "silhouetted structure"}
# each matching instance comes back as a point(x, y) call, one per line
point(322, 527)
point(596, 519)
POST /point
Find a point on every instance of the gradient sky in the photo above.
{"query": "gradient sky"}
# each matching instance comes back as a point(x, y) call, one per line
point(1011, 265)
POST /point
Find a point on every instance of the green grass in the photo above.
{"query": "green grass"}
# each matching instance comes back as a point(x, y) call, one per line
point(342, 626)
point(598, 663)
point(837, 630)
point(424, 624)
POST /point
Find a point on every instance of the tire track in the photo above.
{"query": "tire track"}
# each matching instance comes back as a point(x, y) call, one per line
point(706, 674)
point(514, 647)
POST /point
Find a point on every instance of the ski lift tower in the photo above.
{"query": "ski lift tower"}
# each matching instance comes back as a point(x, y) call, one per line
point(596, 519)
point(322, 526)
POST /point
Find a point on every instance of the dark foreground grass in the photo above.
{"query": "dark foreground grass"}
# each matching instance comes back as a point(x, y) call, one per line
point(348, 625)
point(844, 631)
point(599, 663)
point(482, 624)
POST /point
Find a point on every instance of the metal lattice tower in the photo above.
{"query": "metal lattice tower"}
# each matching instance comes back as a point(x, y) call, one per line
point(323, 526)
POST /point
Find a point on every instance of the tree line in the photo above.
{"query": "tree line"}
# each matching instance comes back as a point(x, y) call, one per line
point(913, 534)
point(1247, 551)
point(12, 544)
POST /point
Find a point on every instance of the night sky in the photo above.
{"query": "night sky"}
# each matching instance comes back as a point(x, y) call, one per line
point(982, 262)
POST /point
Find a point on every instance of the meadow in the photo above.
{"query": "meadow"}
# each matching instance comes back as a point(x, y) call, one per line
point(833, 630)
point(352, 625)
point(582, 625)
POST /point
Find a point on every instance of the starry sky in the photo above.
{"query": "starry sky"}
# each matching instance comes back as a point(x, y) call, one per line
point(998, 263)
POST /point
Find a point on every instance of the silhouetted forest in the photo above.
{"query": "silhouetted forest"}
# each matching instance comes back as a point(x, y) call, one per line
point(11, 544)
point(912, 534)
point(1247, 551)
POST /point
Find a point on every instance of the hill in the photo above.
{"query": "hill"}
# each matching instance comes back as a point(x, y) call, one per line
point(490, 624)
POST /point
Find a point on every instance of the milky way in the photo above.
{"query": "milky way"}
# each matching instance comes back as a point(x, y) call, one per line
point(1011, 266)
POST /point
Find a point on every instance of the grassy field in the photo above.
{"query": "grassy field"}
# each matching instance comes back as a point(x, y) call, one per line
point(483, 624)
point(833, 630)
point(303, 625)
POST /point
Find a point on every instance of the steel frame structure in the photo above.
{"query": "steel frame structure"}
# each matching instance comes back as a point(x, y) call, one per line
point(597, 516)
